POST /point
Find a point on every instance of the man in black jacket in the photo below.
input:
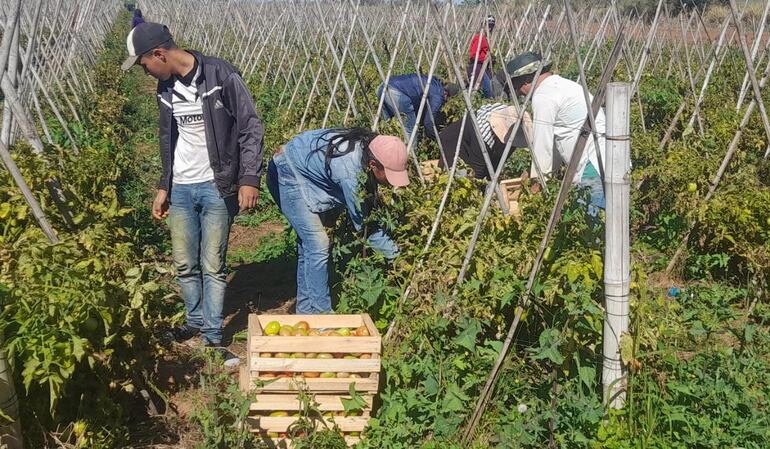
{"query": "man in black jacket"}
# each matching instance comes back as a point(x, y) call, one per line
point(211, 153)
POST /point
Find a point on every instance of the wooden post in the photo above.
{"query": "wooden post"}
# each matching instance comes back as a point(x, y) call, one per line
point(617, 259)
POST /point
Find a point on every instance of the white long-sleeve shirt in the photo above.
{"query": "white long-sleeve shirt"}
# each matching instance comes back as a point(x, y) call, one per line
point(558, 112)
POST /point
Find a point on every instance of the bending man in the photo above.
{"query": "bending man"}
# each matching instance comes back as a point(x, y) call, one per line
point(319, 171)
point(495, 124)
point(404, 95)
point(558, 112)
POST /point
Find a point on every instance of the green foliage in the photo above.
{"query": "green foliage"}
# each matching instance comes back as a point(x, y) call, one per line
point(222, 409)
point(77, 316)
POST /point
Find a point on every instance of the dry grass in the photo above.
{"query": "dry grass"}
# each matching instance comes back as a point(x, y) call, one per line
point(716, 14)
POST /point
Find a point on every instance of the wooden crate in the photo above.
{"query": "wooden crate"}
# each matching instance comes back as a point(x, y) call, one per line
point(292, 369)
point(511, 189)
point(280, 394)
point(273, 429)
point(430, 170)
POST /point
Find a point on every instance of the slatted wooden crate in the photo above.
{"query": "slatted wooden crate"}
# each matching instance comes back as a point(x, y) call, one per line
point(280, 394)
point(273, 429)
point(511, 189)
point(292, 369)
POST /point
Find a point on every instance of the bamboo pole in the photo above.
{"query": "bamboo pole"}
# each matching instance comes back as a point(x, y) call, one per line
point(722, 168)
point(13, 75)
point(10, 434)
point(646, 49)
point(486, 392)
point(709, 72)
point(754, 50)
point(617, 259)
point(469, 107)
point(586, 96)
point(340, 70)
point(751, 72)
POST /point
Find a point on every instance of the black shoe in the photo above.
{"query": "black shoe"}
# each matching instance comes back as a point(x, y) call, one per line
point(229, 360)
point(184, 333)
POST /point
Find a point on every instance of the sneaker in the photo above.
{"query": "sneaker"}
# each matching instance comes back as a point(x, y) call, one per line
point(229, 360)
point(184, 333)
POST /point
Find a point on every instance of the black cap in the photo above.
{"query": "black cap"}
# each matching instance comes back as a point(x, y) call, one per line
point(452, 89)
point(143, 38)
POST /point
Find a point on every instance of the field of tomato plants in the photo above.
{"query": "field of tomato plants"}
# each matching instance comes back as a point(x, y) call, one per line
point(81, 316)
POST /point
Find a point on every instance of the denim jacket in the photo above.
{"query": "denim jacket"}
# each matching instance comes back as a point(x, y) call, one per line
point(411, 86)
point(324, 191)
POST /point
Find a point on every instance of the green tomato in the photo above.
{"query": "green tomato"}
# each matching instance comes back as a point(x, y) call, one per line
point(272, 328)
point(548, 254)
point(692, 187)
point(91, 324)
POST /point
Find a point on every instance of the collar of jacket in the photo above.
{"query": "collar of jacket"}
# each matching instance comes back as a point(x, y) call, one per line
point(167, 85)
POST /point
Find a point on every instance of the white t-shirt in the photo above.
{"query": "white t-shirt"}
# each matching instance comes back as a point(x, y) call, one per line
point(559, 110)
point(191, 156)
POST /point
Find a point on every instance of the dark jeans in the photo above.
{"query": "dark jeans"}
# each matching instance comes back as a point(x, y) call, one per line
point(486, 77)
point(470, 150)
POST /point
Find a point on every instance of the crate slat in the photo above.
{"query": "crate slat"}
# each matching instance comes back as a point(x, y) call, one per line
point(315, 321)
point(286, 442)
point(282, 423)
point(287, 384)
point(315, 365)
point(315, 344)
point(289, 402)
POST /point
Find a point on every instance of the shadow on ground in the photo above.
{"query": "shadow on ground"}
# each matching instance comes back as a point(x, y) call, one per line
point(267, 287)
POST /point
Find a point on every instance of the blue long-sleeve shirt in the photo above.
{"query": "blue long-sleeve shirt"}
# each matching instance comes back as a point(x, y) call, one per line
point(326, 190)
point(411, 86)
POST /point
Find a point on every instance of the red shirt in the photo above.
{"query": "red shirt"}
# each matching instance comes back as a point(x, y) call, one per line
point(482, 51)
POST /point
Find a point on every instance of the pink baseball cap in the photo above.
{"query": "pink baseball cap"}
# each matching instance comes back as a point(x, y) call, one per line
point(390, 151)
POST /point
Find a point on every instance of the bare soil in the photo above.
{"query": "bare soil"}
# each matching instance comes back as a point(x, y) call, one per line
point(265, 288)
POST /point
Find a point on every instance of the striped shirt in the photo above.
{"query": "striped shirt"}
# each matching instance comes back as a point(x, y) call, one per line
point(482, 115)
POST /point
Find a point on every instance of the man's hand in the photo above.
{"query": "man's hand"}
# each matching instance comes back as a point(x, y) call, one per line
point(160, 205)
point(247, 197)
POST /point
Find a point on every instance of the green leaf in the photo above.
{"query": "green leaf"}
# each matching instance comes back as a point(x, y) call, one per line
point(455, 399)
point(355, 403)
point(467, 338)
point(697, 329)
point(431, 385)
point(587, 376)
point(626, 347)
point(77, 348)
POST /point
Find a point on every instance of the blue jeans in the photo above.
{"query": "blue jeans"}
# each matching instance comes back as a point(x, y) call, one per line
point(486, 79)
point(200, 219)
point(313, 295)
point(398, 103)
point(593, 181)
